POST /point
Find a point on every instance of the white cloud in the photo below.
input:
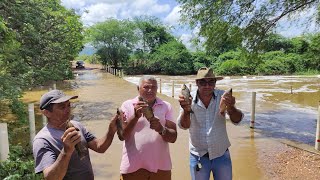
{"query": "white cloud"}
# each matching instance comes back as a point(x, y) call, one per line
point(186, 40)
point(99, 12)
point(77, 4)
point(297, 23)
point(174, 17)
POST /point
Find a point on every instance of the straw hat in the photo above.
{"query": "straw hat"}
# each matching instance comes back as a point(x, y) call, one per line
point(204, 73)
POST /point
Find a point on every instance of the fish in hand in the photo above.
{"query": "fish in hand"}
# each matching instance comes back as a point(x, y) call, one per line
point(148, 112)
point(80, 148)
point(119, 122)
point(223, 106)
point(185, 91)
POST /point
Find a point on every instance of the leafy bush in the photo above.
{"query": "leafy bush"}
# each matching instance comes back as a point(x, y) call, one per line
point(272, 67)
point(201, 59)
point(292, 62)
point(230, 55)
point(172, 58)
point(230, 67)
point(19, 165)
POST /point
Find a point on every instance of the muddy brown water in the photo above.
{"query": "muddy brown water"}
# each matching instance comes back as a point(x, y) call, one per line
point(101, 93)
point(286, 106)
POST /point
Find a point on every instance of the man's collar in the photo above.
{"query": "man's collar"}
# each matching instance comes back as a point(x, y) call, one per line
point(196, 98)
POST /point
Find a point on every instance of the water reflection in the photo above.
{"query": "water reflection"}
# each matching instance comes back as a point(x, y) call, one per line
point(286, 106)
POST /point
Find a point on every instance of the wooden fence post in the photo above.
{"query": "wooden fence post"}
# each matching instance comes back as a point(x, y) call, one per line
point(4, 142)
point(172, 88)
point(317, 144)
point(32, 126)
point(44, 120)
point(253, 109)
point(160, 88)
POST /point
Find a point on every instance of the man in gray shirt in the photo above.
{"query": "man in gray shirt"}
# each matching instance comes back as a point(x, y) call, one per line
point(54, 145)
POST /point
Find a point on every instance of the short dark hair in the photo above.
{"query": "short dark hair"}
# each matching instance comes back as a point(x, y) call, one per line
point(49, 107)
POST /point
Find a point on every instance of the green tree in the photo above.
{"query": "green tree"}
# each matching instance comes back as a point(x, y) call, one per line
point(291, 63)
point(38, 39)
point(312, 59)
point(171, 58)
point(201, 59)
point(253, 18)
point(299, 45)
point(114, 40)
point(151, 34)
point(231, 67)
point(276, 42)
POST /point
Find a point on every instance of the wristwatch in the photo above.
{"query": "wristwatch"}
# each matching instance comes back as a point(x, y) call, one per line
point(163, 132)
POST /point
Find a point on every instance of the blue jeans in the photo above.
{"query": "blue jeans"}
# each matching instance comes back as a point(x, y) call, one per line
point(221, 167)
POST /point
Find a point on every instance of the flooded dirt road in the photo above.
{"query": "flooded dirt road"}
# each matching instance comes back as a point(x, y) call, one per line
point(100, 93)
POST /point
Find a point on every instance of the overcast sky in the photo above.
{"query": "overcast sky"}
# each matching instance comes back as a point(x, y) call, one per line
point(93, 11)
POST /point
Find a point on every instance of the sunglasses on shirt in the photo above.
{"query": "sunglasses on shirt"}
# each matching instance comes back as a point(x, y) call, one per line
point(204, 82)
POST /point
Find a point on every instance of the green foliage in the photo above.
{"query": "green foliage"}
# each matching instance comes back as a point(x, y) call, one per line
point(38, 39)
point(201, 59)
point(231, 68)
point(19, 109)
point(114, 40)
point(171, 58)
point(229, 56)
point(272, 67)
point(293, 62)
point(151, 33)
point(19, 165)
point(234, 55)
point(49, 36)
point(312, 58)
point(299, 45)
point(276, 42)
point(243, 22)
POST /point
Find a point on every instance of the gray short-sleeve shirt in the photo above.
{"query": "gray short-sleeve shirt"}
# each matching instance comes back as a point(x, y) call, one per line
point(47, 146)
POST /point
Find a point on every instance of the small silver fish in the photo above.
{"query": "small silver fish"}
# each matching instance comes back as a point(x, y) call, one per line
point(80, 148)
point(223, 106)
point(119, 125)
point(148, 112)
point(185, 91)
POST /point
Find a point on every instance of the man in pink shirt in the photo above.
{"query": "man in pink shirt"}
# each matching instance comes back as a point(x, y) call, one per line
point(146, 154)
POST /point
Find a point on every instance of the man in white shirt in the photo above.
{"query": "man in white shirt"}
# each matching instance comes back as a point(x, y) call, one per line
point(208, 141)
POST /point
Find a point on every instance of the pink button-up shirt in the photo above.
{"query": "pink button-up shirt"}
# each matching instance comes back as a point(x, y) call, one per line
point(145, 148)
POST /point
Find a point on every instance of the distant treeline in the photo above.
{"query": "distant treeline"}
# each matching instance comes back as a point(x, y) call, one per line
point(145, 46)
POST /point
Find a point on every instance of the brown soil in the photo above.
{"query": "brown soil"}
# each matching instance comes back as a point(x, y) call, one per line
point(292, 163)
